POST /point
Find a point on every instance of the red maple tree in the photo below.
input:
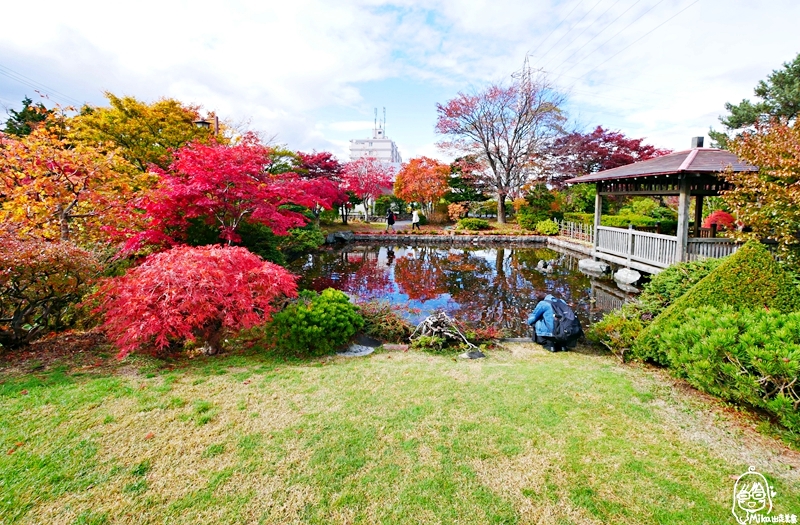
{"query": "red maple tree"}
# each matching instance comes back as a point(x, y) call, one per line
point(225, 185)
point(579, 154)
point(367, 178)
point(189, 293)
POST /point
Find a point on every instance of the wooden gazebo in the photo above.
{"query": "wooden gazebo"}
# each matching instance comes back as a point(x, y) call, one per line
point(686, 174)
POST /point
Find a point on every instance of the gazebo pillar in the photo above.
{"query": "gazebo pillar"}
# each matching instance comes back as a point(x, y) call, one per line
point(598, 206)
point(683, 220)
point(698, 214)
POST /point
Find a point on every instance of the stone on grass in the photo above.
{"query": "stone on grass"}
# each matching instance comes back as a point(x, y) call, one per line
point(356, 350)
point(475, 354)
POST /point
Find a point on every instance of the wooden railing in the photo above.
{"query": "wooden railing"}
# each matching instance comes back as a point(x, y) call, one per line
point(577, 231)
point(649, 248)
point(709, 248)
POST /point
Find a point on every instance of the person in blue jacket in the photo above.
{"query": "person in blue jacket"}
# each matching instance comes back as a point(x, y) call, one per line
point(543, 320)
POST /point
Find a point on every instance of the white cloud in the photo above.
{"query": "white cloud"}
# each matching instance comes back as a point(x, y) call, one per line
point(311, 70)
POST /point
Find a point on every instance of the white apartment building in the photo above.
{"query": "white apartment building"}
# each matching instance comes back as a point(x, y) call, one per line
point(379, 146)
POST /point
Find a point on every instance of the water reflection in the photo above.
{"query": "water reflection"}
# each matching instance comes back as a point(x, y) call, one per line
point(478, 285)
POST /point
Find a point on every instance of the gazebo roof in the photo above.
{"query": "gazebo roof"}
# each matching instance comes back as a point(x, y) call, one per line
point(697, 160)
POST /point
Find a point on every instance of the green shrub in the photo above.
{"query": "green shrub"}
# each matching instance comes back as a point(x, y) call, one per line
point(582, 218)
point(314, 325)
point(528, 218)
point(664, 214)
point(383, 322)
point(473, 224)
point(748, 279)
point(547, 227)
point(618, 330)
point(429, 342)
point(749, 357)
point(666, 287)
point(301, 240)
point(423, 220)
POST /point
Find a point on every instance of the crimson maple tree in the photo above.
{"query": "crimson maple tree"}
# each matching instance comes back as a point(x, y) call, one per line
point(720, 218)
point(327, 171)
point(422, 180)
point(579, 154)
point(225, 185)
point(190, 293)
point(367, 177)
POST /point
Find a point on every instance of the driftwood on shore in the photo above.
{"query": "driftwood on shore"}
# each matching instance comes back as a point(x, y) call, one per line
point(440, 325)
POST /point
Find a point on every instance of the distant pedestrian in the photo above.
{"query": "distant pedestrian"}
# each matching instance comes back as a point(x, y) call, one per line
point(390, 220)
point(415, 220)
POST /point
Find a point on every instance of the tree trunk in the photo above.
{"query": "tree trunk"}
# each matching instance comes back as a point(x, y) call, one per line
point(501, 209)
point(343, 211)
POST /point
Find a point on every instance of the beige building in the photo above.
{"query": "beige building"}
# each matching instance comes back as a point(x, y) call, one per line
point(379, 146)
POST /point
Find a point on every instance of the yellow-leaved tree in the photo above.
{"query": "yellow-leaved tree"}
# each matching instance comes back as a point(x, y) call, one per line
point(768, 201)
point(57, 189)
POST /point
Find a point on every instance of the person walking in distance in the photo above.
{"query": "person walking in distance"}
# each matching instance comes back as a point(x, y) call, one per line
point(415, 220)
point(390, 220)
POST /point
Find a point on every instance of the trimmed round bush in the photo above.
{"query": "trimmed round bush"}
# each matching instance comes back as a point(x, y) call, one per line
point(314, 325)
point(473, 224)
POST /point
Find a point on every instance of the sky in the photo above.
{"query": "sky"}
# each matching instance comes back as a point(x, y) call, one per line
point(310, 72)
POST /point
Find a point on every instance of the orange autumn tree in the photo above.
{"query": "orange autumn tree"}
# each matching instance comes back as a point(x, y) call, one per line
point(422, 180)
point(55, 189)
point(768, 201)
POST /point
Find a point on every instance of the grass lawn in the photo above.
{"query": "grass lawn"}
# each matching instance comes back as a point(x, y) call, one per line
point(523, 436)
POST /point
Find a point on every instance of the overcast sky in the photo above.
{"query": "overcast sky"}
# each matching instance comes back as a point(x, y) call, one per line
point(311, 71)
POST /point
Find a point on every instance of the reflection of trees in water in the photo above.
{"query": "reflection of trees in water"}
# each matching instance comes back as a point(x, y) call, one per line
point(488, 286)
point(354, 270)
point(420, 274)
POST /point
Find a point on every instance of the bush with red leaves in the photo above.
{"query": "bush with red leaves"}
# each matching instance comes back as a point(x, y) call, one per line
point(190, 293)
point(722, 219)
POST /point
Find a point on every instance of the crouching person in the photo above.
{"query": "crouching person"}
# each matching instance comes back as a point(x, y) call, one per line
point(555, 325)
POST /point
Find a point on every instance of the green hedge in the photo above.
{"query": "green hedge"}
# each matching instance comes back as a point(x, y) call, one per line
point(616, 221)
point(473, 224)
point(528, 218)
point(749, 357)
point(618, 330)
point(748, 279)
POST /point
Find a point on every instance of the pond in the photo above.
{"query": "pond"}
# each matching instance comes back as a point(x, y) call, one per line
point(478, 285)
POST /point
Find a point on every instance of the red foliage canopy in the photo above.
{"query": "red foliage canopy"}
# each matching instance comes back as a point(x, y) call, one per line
point(720, 218)
point(189, 292)
point(225, 185)
point(579, 154)
point(367, 177)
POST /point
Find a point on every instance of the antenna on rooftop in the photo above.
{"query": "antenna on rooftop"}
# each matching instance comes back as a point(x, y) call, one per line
point(375, 125)
point(384, 121)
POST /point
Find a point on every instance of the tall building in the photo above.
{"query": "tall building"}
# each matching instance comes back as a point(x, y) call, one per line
point(379, 146)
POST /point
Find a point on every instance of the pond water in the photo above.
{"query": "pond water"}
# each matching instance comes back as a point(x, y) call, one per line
point(479, 285)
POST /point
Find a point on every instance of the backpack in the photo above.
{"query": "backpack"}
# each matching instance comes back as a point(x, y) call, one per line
point(566, 327)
